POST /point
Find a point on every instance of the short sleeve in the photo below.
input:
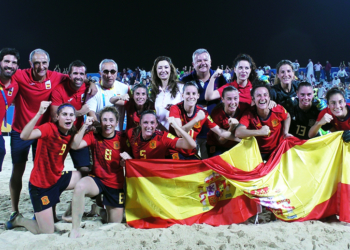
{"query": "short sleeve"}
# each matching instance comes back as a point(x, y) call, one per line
point(170, 140)
point(245, 119)
point(89, 138)
point(209, 122)
point(175, 111)
point(46, 130)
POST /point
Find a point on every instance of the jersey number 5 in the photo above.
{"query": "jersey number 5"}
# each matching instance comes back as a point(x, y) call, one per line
point(108, 154)
point(143, 154)
point(63, 149)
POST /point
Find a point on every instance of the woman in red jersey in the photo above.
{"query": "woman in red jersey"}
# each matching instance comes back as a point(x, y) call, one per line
point(47, 181)
point(134, 107)
point(107, 175)
point(229, 108)
point(268, 125)
point(192, 117)
point(149, 143)
point(336, 117)
point(244, 68)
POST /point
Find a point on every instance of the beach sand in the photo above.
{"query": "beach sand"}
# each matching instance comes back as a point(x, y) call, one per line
point(266, 235)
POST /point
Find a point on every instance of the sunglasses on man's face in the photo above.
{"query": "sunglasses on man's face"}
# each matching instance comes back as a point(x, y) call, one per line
point(106, 72)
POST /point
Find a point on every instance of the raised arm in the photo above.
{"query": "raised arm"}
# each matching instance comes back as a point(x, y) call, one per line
point(28, 132)
point(242, 131)
point(78, 141)
point(119, 100)
point(210, 93)
point(286, 125)
point(327, 118)
point(188, 126)
point(186, 142)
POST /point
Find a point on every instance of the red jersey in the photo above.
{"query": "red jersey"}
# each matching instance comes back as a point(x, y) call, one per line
point(31, 93)
point(106, 158)
point(178, 111)
point(244, 92)
point(10, 93)
point(155, 148)
point(221, 119)
point(132, 117)
point(251, 120)
point(64, 93)
point(51, 152)
point(336, 122)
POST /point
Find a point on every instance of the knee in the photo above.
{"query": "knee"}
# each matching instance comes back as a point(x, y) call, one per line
point(80, 188)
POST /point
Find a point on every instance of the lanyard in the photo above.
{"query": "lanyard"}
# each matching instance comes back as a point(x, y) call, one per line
point(6, 105)
point(103, 95)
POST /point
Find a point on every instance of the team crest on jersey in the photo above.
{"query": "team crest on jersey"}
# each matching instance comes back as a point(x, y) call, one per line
point(311, 122)
point(171, 136)
point(48, 84)
point(116, 145)
point(197, 125)
point(9, 93)
point(274, 122)
point(175, 156)
point(45, 200)
point(153, 144)
point(82, 97)
point(209, 118)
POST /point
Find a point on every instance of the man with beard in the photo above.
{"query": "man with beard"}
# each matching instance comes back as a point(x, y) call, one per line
point(73, 91)
point(8, 65)
point(202, 73)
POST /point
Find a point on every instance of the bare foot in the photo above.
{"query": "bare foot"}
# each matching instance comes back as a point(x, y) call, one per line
point(67, 216)
point(93, 212)
point(74, 234)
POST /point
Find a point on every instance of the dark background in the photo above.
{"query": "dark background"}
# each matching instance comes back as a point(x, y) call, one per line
point(134, 33)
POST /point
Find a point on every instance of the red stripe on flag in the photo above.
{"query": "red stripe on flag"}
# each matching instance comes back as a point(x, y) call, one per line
point(222, 167)
point(163, 168)
point(225, 212)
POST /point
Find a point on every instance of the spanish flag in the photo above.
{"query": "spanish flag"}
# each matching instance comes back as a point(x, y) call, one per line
point(302, 180)
point(161, 193)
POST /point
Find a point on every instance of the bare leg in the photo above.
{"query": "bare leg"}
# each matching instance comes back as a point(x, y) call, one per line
point(16, 184)
point(76, 176)
point(115, 214)
point(44, 222)
point(85, 187)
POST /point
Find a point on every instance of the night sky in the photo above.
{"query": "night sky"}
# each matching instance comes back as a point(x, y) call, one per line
point(134, 33)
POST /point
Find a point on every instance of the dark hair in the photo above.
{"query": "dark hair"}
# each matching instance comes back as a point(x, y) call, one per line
point(111, 109)
point(278, 66)
point(190, 83)
point(73, 129)
point(62, 106)
point(9, 51)
point(137, 130)
point(228, 89)
point(156, 82)
point(245, 57)
point(148, 104)
point(304, 84)
point(259, 84)
point(333, 91)
point(76, 63)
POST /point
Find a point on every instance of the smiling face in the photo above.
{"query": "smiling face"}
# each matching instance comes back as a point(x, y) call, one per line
point(8, 66)
point(231, 101)
point(140, 96)
point(242, 70)
point(66, 118)
point(77, 77)
point(305, 95)
point(202, 63)
point(148, 126)
point(108, 124)
point(337, 105)
point(163, 70)
point(286, 74)
point(40, 64)
point(261, 98)
point(190, 96)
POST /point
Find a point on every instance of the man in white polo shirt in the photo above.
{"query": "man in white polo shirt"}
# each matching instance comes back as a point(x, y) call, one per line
point(107, 88)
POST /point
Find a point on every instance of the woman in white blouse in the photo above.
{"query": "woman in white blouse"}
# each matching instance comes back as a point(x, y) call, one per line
point(165, 88)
